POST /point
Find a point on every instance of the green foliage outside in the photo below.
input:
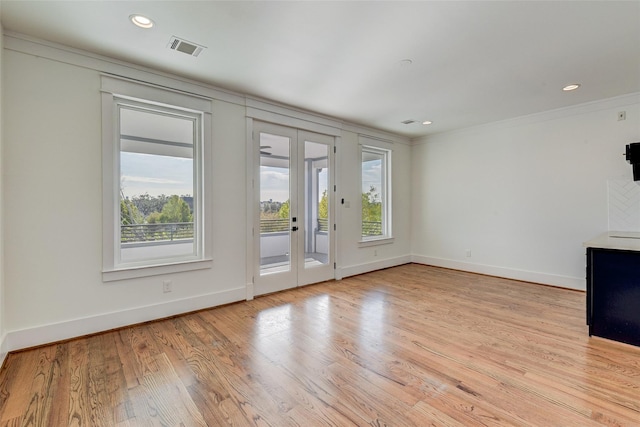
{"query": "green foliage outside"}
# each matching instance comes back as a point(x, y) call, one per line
point(371, 206)
point(176, 210)
point(323, 206)
point(129, 213)
point(147, 204)
point(270, 209)
point(145, 209)
point(284, 210)
point(154, 218)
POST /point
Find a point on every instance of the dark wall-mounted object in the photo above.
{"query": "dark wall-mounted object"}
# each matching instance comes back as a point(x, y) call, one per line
point(633, 156)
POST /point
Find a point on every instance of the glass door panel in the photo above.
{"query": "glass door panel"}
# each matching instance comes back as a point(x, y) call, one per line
point(293, 193)
point(316, 259)
point(275, 201)
point(316, 236)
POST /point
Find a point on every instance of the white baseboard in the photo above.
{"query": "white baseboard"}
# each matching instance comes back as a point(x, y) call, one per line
point(354, 270)
point(3, 349)
point(508, 273)
point(45, 334)
point(40, 335)
point(250, 291)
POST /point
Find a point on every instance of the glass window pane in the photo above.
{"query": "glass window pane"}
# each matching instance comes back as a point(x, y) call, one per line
point(156, 185)
point(373, 193)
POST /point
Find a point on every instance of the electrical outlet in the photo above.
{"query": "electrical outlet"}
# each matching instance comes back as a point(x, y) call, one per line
point(468, 252)
point(166, 286)
point(622, 115)
point(375, 252)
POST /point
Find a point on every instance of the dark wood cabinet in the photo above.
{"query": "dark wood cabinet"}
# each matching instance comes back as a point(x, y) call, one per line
point(613, 294)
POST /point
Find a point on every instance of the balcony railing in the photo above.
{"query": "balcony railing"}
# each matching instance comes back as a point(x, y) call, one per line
point(274, 225)
point(371, 228)
point(280, 225)
point(323, 224)
point(136, 233)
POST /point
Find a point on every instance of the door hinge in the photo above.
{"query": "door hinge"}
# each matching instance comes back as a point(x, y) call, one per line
point(334, 227)
point(334, 265)
point(334, 149)
point(334, 188)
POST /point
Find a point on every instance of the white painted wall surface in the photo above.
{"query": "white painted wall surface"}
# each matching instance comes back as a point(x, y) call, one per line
point(274, 244)
point(522, 195)
point(53, 202)
point(53, 186)
point(354, 258)
point(3, 351)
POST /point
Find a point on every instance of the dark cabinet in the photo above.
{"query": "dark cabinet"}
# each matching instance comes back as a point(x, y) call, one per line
point(613, 294)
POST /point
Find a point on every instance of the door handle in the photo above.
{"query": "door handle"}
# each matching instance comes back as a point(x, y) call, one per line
point(294, 228)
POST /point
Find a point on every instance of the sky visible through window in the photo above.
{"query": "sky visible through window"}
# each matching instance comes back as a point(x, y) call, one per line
point(372, 175)
point(274, 184)
point(155, 175)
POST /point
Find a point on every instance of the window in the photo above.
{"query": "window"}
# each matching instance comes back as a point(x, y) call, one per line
point(376, 193)
point(153, 183)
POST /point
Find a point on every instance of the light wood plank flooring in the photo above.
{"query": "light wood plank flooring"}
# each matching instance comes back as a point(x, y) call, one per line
point(410, 345)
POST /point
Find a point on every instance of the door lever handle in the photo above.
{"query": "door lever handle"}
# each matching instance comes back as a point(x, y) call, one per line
point(294, 228)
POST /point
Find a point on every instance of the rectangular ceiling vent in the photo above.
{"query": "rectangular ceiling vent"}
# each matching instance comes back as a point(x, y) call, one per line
point(184, 46)
point(408, 122)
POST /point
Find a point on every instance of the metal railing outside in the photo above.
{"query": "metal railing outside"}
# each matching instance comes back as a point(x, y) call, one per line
point(323, 224)
point(371, 228)
point(274, 225)
point(280, 225)
point(135, 233)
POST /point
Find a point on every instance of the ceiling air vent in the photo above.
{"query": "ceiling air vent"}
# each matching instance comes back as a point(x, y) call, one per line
point(184, 46)
point(408, 122)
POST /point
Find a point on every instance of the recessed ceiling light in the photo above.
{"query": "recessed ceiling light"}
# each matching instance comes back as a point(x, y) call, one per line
point(141, 21)
point(571, 87)
point(406, 63)
point(427, 122)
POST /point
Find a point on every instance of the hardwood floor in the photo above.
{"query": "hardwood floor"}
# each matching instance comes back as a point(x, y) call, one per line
point(410, 345)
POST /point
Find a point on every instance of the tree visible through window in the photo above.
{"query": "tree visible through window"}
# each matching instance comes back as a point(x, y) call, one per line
point(157, 193)
point(155, 174)
point(375, 194)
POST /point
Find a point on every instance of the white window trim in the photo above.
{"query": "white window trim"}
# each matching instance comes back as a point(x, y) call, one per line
point(115, 89)
point(372, 146)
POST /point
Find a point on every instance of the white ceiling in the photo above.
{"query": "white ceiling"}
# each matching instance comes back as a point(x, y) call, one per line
point(473, 62)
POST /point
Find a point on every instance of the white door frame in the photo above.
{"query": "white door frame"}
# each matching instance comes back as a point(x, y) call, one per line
point(298, 275)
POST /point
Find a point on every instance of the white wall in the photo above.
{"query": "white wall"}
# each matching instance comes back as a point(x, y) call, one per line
point(53, 203)
point(522, 195)
point(3, 351)
point(354, 257)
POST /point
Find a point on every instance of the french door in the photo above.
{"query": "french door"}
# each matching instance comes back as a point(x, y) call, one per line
point(293, 195)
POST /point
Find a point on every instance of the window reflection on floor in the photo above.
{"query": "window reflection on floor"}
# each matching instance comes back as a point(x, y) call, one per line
point(372, 320)
point(321, 328)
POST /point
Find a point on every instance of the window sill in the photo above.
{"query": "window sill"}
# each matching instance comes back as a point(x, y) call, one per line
point(376, 242)
point(155, 270)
